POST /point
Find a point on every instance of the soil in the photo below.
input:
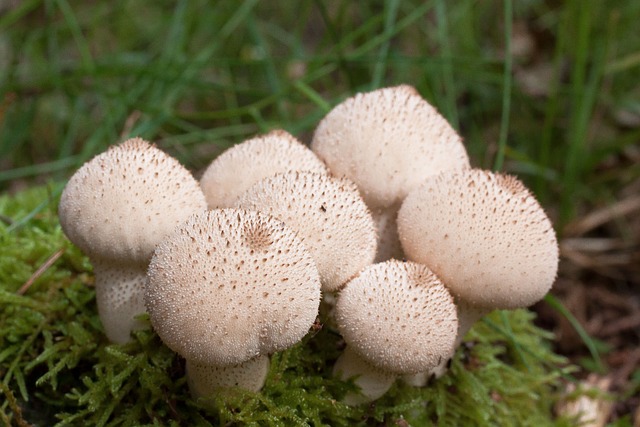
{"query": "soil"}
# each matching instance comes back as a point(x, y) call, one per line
point(599, 283)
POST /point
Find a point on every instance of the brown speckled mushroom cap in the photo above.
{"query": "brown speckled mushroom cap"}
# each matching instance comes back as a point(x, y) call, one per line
point(328, 214)
point(120, 204)
point(484, 235)
point(229, 285)
point(398, 316)
point(387, 141)
point(239, 167)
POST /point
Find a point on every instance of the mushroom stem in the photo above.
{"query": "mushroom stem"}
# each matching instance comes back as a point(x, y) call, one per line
point(326, 311)
point(373, 382)
point(389, 246)
point(205, 379)
point(468, 315)
point(120, 298)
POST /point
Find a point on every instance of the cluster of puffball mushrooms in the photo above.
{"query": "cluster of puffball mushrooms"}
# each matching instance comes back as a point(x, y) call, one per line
point(383, 219)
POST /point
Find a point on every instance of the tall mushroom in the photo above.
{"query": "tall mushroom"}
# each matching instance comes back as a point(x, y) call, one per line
point(116, 208)
point(227, 288)
point(397, 318)
point(485, 235)
point(387, 141)
point(329, 216)
point(235, 170)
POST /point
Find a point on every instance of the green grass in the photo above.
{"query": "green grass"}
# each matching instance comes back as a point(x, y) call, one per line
point(196, 77)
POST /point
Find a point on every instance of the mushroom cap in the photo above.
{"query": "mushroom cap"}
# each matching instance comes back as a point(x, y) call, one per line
point(484, 235)
point(398, 316)
point(329, 216)
point(387, 141)
point(239, 167)
point(229, 285)
point(120, 204)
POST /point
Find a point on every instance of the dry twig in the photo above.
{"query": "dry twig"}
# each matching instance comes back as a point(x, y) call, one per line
point(48, 263)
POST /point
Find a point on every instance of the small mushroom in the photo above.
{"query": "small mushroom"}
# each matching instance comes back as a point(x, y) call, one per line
point(235, 170)
point(329, 216)
point(116, 208)
point(387, 141)
point(485, 235)
point(397, 318)
point(227, 288)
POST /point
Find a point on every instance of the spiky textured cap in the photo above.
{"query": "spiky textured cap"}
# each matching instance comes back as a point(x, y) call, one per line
point(239, 167)
point(484, 235)
point(387, 141)
point(229, 285)
point(120, 204)
point(329, 216)
point(398, 316)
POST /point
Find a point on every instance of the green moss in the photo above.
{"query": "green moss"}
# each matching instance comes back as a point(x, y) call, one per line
point(57, 367)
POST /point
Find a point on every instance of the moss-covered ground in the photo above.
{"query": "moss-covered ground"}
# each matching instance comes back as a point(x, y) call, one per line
point(57, 368)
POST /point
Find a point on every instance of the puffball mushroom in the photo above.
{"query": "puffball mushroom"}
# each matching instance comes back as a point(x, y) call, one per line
point(236, 169)
point(116, 208)
point(120, 204)
point(396, 318)
point(387, 141)
point(329, 216)
point(228, 287)
point(485, 235)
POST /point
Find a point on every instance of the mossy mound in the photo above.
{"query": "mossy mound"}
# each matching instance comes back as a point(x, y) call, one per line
point(57, 367)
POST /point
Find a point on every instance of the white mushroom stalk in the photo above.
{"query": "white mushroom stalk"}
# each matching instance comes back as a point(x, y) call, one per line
point(203, 378)
point(116, 208)
point(389, 246)
point(227, 288)
point(239, 167)
point(119, 296)
point(485, 236)
point(387, 141)
point(329, 216)
point(397, 318)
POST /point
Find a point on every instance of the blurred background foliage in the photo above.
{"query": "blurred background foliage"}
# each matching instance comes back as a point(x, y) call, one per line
point(555, 81)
